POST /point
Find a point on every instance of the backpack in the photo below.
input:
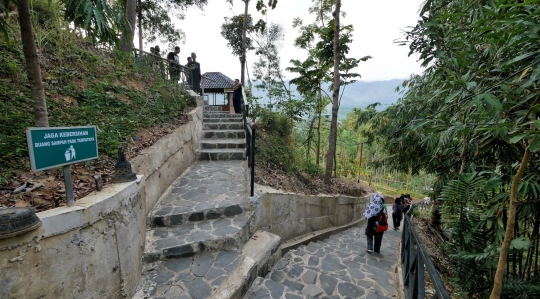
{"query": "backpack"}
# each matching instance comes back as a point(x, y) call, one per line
point(382, 224)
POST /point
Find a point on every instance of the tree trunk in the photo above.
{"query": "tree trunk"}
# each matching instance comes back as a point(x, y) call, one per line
point(139, 12)
point(335, 99)
point(244, 44)
point(319, 140)
point(510, 224)
point(511, 221)
point(126, 41)
point(33, 69)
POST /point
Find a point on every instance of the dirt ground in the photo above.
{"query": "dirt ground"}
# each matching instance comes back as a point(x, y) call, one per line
point(306, 184)
point(45, 190)
point(432, 241)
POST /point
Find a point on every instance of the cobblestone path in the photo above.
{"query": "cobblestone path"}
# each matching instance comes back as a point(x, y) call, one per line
point(338, 267)
point(202, 240)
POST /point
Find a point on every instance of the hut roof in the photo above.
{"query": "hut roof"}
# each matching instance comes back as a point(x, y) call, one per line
point(221, 83)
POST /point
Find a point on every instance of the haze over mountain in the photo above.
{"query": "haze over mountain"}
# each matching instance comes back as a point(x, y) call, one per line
point(357, 95)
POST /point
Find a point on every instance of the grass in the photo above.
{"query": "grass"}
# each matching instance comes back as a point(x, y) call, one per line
point(84, 85)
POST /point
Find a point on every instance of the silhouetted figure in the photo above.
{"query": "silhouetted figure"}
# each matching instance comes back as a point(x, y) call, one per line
point(174, 64)
point(237, 96)
point(195, 68)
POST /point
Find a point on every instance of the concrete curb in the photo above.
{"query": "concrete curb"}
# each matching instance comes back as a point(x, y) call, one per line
point(317, 236)
point(400, 287)
point(260, 254)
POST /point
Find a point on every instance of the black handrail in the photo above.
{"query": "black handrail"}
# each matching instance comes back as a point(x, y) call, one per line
point(183, 68)
point(414, 258)
point(250, 129)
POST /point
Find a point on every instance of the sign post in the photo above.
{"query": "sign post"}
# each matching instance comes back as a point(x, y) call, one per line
point(51, 147)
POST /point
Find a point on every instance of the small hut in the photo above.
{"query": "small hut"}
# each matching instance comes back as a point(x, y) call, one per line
point(219, 84)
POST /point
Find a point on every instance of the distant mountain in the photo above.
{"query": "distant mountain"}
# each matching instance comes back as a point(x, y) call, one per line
point(357, 95)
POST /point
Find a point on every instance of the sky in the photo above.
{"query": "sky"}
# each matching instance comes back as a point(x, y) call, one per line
point(377, 24)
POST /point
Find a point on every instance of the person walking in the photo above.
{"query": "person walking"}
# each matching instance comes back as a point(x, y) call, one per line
point(373, 214)
point(397, 213)
point(426, 203)
point(174, 64)
point(406, 203)
point(237, 96)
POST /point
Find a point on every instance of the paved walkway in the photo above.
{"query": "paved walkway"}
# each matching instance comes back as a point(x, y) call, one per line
point(201, 240)
point(338, 267)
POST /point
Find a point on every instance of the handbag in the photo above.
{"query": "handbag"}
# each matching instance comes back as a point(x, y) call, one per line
point(382, 224)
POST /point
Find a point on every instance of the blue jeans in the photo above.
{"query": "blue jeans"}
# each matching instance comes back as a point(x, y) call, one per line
point(378, 241)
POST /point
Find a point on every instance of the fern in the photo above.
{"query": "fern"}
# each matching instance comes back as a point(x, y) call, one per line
point(519, 289)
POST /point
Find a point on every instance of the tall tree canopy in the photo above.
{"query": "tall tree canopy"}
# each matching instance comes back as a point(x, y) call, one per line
point(473, 110)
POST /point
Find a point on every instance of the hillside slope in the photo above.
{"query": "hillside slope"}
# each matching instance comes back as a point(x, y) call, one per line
point(129, 100)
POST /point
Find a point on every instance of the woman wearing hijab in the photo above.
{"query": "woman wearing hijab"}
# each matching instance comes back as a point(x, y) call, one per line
point(373, 211)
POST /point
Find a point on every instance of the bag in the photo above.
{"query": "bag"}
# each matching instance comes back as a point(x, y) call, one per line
point(382, 224)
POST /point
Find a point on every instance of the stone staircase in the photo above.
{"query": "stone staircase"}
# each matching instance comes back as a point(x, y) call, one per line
point(202, 242)
point(224, 135)
point(338, 267)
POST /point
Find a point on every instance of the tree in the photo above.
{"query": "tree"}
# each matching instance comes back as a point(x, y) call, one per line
point(473, 110)
point(126, 40)
point(267, 69)
point(335, 99)
point(232, 38)
point(232, 31)
point(33, 70)
point(101, 22)
point(155, 19)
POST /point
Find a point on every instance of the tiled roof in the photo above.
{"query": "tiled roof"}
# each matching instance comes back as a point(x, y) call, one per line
point(221, 81)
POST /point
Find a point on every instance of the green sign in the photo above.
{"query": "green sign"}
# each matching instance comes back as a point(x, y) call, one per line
point(57, 146)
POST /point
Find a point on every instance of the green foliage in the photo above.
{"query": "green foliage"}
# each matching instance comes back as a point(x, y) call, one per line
point(100, 21)
point(274, 146)
point(83, 86)
point(157, 19)
point(232, 29)
point(470, 116)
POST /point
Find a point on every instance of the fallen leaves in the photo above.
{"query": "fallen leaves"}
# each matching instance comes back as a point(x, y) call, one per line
point(306, 184)
point(45, 190)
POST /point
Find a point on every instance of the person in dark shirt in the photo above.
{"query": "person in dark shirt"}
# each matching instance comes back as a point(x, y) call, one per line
point(188, 73)
point(195, 68)
point(174, 64)
point(237, 96)
point(372, 213)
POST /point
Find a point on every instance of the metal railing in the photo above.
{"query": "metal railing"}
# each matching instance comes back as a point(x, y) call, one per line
point(163, 63)
point(414, 260)
point(250, 129)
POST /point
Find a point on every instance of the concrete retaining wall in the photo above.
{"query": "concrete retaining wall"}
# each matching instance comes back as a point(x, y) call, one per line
point(90, 250)
point(167, 159)
point(290, 215)
point(94, 249)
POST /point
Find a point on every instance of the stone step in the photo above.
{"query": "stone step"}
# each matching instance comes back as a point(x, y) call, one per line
point(212, 108)
point(188, 277)
point(190, 238)
point(224, 114)
point(263, 288)
point(174, 216)
point(222, 154)
point(223, 143)
point(225, 274)
point(209, 134)
point(208, 190)
point(223, 119)
point(223, 126)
